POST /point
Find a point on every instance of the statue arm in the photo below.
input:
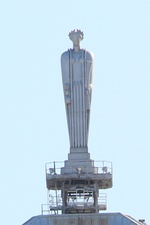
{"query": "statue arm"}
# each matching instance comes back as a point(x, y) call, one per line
point(89, 75)
point(65, 76)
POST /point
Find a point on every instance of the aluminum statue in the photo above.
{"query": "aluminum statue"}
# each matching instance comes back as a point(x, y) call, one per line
point(77, 74)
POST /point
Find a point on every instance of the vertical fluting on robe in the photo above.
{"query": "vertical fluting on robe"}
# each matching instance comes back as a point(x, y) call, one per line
point(77, 83)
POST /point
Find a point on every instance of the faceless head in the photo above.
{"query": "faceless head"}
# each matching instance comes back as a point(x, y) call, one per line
point(76, 36)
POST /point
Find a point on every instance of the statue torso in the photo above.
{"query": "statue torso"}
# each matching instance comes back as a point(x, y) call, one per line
point(76, 62)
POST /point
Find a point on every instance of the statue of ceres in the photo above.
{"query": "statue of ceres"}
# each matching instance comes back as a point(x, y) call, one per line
point(77, 74)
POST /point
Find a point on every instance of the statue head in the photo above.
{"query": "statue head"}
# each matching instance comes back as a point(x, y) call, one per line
point(76, 36)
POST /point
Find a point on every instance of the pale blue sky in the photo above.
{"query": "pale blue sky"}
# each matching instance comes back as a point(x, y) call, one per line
point(33, 126)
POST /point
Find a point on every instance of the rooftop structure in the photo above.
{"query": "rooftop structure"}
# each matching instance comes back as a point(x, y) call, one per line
point(79, 179)
point(84, 219)
point(74, 186)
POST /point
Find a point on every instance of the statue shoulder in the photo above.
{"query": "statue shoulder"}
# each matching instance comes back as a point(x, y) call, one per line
point(65, 56)
point(89, 56)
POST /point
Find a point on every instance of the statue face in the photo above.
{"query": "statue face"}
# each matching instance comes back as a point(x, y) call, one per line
point(76, 39)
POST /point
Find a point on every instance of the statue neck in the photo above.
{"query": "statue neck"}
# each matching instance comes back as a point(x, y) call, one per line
point(76, 48)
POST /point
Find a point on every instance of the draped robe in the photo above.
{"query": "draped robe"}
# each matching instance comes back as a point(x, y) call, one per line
point(77, 73)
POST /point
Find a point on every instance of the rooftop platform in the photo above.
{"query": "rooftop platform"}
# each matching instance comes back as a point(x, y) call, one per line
point(99, 172)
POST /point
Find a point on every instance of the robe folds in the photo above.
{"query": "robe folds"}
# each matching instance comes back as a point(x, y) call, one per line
point(77, 74)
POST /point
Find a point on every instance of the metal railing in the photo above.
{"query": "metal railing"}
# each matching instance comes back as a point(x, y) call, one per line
point(103, 167)
point(55, 204)
point(102, 201)
point(45, 209)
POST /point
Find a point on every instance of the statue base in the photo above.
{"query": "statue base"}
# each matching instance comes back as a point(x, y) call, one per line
point(79, 158)
point(79, 150)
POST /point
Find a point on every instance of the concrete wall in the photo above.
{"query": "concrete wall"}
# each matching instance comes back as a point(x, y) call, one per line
point(83, 219)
